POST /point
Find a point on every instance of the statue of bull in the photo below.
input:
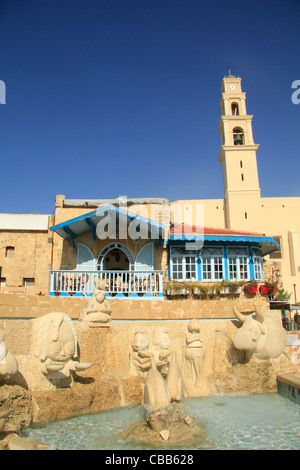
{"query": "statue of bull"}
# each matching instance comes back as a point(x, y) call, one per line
point(262, 336)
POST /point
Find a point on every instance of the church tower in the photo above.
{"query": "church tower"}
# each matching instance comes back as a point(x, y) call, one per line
point(238, 158)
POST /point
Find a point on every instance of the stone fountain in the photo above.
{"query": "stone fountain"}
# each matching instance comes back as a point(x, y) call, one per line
point(94, 363)
point(166, 419)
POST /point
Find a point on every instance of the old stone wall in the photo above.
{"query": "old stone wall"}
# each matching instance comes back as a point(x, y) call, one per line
point(25, 260)
point(114, 380)
point(110, 348)
point(25, 306)
point(114, 377)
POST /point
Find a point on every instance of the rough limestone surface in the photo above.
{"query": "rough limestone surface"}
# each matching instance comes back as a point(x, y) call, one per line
point(18, 402)
point(15, 442)
point(165, 428)
point(114, 380)
point(86, 396)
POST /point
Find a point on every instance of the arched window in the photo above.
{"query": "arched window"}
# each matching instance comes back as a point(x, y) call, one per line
point(238, 136)
point(235, 109)
point(116, 256)
point(145, 258)
point(85, 258)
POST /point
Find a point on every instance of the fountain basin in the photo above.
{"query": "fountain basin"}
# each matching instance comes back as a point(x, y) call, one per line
point(256, 421)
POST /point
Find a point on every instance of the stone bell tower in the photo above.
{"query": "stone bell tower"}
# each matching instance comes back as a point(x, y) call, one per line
point(238, 158)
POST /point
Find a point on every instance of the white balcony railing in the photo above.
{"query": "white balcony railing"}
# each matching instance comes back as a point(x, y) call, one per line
point(120, 283)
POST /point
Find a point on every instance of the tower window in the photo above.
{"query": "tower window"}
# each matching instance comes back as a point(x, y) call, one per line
point(242, 176)
point(241, 164)
point(246, 215)
point(238, 136)
point(235, 109)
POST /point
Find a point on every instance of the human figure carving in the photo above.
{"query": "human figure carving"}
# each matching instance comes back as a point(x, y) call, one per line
point(174, 380)
point(97, 309)
point(140, 346)
point(161, 343)
point(56, 344)
point(194, 351)
point(8, 362)
point(156, 392)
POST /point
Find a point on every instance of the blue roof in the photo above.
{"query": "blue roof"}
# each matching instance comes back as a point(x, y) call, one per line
point(266, 244)
point(88, 222)
point(83, 223)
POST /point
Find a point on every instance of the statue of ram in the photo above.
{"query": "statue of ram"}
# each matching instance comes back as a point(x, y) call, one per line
point(262, 336)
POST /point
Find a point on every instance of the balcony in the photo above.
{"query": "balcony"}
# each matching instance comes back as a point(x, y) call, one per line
point(121, 284)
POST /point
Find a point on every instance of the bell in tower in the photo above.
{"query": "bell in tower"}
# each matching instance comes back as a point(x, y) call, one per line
point(238, 136)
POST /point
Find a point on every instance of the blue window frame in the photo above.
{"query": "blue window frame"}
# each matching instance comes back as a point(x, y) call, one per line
point(216, 263)
point(212, 264)
point(258, 265)
point(238, 264)
point(183, 265)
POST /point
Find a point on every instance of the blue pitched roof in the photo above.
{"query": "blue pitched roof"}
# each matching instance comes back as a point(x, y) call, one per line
point(83, 223)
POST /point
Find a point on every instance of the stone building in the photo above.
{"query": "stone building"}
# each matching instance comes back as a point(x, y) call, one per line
point(146, 248)
point(25, 253)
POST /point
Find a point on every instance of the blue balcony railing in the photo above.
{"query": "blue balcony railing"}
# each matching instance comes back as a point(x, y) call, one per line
point(121, 284)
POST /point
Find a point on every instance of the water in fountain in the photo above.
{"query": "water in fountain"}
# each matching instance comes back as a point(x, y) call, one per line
point(171, 427)
point(264, 421)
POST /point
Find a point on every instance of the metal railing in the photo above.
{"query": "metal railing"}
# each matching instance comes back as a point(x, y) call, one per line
point(119, 282)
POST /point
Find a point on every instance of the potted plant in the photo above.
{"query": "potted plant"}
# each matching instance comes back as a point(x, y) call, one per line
point(251, 287)
point(196, 290)
point(236, 287)
point(268, 288)
point(282, 294)
point(224, 287)
point(201, 290)
point(173, 288)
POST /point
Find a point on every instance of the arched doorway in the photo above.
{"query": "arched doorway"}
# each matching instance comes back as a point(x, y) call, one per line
point(115, 257)
point(115, 263)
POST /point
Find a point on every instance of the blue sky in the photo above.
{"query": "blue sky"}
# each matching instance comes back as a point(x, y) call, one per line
point(121, 97)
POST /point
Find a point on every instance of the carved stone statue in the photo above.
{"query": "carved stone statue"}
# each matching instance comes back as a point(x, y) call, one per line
point(194, 351)
point(140, 347)
point(8, 362)
point(97, 309)
point(161, 343)
point(262, 337)
point(156, 392)
point(56, 344)
point(174, 380)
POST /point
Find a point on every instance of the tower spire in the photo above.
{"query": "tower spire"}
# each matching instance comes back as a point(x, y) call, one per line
point(229, 73)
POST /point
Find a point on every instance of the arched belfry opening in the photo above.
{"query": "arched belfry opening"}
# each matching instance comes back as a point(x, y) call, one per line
point(235, 109)
point(238, 136)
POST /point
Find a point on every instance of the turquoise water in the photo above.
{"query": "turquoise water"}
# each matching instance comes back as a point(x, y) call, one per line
point(268, 421)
